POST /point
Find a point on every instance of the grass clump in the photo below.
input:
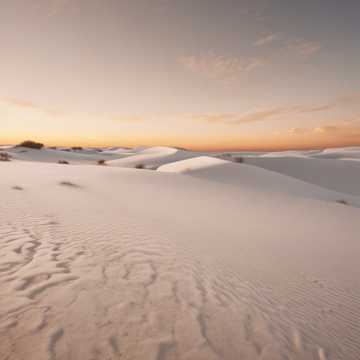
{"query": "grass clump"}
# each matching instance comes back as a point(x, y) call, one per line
point(342, 202)
point(4, 156)
point(101, 162)
point(63, 162)
point(238, 159)
point(146, 167)
point(69, 184)
point(16, 187)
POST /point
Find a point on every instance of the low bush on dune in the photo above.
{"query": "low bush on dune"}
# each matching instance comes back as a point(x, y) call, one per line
point(69, 184)
point(342, 202)
point(77, 148)
point(63, 162)
point(5, 156)
point(238, 159)
point(145, 167)
point(232, 158)
point(31, 145)
point(16, 187)
point(101, 162)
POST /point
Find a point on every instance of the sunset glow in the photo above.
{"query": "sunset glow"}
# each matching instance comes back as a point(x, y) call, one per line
point(198, 74)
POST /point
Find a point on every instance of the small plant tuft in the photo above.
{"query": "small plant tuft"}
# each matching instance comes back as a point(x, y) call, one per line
point(77, 148)
point(101, 162)
point(238, 159)
point(342, 202)
point(146, 167)
point(63, 162)
point(4, 156)
point(17, 188)
point(69, 184)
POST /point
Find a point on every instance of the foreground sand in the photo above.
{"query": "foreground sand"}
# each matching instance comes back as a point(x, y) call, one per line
point(101, 262)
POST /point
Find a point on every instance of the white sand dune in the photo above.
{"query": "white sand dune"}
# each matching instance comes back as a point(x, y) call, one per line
point(101, 262)
point(253, 177)
point(291, 153)
point(53, 156)
point(339, 153)
point(153, 157)
point(337, 175)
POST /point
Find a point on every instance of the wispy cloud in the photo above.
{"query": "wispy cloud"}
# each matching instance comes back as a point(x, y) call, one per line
point(297, 131)
point(266, 40)
point(25, 104)
point(236, 119)
point(304, 48)
point(275, 113)
point(220, 67)
point(20, 103)
point(344, 129)
point(327, 129)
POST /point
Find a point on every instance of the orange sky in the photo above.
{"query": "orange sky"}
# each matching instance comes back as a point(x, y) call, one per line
point(235, 74)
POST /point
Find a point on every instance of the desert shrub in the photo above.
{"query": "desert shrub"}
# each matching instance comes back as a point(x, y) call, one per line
point(31, 145)
point(238, 159)
point(76, 148)
point(146, 167)
point(69, 184)
point(53, 148)
point(101, 162)
point(230, 157)
point(16, 187)
point(4, 156)
point(342, 202)
point(64, 162)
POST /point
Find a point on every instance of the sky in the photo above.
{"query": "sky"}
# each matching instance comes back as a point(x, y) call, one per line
point(199, 74)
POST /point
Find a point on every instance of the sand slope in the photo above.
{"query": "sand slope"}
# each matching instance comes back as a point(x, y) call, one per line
point(337, 175)
point(109, 263)
point(248, 176)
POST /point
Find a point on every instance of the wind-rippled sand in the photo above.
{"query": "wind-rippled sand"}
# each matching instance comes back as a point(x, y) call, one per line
point(108, 263)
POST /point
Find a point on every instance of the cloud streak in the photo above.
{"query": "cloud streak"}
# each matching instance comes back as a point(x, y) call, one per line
point(274, 113)
point(220, 67)
point(266, 40)
point(28, 105)
point(304, 48)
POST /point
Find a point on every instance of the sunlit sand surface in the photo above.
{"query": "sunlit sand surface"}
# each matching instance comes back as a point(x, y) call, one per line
point(203, 258)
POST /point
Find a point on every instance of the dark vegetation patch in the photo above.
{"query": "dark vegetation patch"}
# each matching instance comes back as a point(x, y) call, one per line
point(232, 158)
point(4, 156)
point(146, 167)
point(69, 184)
point(31, 145)
point(342, 202)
